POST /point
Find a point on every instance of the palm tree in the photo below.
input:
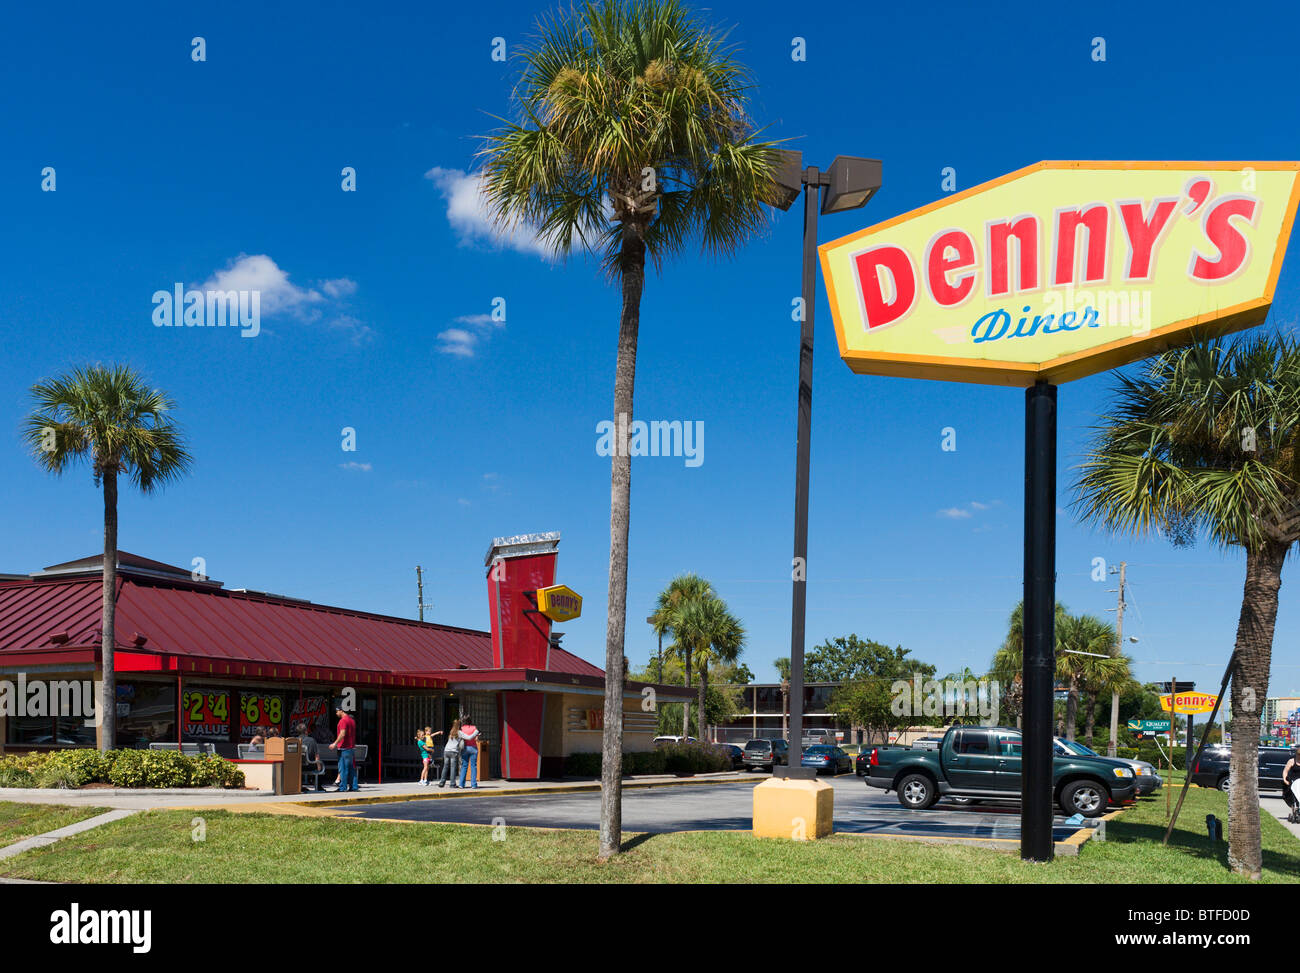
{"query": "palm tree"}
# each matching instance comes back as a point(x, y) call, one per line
point(1009, 660)
point(1080, 640)
point(632, 134)
point(713, 634)
point(1206, 440)
point(107, 416)
point(669, 607)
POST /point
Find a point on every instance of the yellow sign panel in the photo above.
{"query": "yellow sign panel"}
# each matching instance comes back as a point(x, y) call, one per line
point(1189, 703)
point(1062, 269)
point(559, 603)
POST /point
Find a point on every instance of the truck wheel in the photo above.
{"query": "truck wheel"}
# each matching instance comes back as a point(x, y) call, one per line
point(1225, 783)
point(1086, 797)
point(916, 792)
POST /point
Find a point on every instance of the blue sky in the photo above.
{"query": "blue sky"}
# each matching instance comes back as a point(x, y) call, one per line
point(172, 171)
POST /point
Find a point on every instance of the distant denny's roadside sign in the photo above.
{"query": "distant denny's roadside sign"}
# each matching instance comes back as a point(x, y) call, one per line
point(1062, 269)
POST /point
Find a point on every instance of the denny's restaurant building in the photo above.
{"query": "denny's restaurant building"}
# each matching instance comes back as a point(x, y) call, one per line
point(198, 662)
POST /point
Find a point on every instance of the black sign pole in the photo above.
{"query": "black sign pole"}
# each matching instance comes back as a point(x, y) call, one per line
point(1039, 665)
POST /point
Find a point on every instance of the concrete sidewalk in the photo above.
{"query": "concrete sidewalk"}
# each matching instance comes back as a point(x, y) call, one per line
point(1272, 803)
point(211, 798)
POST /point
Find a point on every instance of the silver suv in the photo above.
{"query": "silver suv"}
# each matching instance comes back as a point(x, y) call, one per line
point(766, 754)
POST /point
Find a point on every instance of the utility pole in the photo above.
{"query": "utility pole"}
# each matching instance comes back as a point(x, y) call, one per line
point(419, 585)
point(1119, 646)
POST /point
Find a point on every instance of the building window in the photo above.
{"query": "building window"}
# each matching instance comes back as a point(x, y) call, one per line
point(146, 713)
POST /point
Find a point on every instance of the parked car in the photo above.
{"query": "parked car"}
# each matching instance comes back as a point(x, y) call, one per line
point(863, 760)
point(672, 739)
point(984, 763)
point(1148, 779)
point(1212, 769)
point(766, 754)
point(816, 738)
point(832, 759)
point(736, 754)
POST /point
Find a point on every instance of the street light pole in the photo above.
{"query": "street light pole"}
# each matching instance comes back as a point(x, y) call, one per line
point(1119, 643)
point(803, 461)
point(850, 183)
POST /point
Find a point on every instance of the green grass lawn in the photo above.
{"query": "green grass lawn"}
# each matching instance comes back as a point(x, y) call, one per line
point(158, 847)
point(19, 821)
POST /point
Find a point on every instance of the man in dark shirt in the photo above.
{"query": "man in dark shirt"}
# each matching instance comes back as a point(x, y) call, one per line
point(345, 743)
point(311, 755)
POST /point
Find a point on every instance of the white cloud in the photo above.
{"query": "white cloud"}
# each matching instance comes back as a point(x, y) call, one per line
point(342, 287)
point(467, 212)
point(954, 513)
point(457, 341)
point(480, 321)
point(355, 466)
point(279, 295)
point(464, 342)
point(357, 332)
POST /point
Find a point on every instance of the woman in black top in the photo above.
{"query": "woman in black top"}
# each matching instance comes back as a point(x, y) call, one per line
point(1290, 773)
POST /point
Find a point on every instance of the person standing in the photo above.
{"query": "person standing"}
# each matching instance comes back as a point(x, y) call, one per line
point(469, 759)
point(1290, 775)
point(451, 756)
point(345, 743)
point(424, 740)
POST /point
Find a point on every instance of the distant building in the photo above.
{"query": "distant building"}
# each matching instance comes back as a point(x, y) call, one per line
point(1281, 718)
point(763, 706)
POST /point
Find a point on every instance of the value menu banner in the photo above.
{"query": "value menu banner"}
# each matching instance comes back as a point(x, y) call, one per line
point(259, 712)
point(206, 715)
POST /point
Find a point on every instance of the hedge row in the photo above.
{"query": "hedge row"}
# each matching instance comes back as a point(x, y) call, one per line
point(121, 768)
point(668, 758)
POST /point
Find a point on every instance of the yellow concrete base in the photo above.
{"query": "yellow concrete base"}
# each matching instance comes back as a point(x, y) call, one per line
point(797, 809)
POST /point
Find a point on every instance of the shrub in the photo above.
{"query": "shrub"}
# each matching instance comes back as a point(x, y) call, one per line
point(694, 758)
point(213, 771)
point(81, 767)
point(54, 774)
point(12, 775)
point(121, 768)
point(582, 765)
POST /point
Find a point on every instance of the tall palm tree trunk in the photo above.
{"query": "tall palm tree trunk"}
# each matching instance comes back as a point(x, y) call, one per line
point(686, 704)
point(1090, 700)
point(1249, 690)
point(108, 690)
point(632, 270)
point(704, 688)
point(1072, 709)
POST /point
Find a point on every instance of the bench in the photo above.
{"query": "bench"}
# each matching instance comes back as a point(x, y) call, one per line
point(189, 749)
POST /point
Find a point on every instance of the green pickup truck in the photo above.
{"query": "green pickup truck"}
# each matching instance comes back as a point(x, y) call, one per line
point(983, 763)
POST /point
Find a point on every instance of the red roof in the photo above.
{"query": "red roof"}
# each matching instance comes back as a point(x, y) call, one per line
point(204, 621)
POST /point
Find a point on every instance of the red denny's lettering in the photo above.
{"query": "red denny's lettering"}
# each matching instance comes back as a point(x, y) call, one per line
point(1024, 254)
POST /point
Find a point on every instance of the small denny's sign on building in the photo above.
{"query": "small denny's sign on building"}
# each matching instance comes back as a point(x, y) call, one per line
point(559, 603)
point(1062, 269)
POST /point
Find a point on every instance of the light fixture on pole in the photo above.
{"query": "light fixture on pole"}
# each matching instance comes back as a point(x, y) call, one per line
point(849, 183)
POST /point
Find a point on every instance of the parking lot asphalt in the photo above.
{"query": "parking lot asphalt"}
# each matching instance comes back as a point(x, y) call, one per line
point(859, 809)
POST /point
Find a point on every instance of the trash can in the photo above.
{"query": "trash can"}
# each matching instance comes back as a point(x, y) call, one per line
point(286, 775)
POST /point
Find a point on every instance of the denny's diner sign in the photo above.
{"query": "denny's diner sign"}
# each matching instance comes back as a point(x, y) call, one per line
point(1062, 269)
point(559, 602)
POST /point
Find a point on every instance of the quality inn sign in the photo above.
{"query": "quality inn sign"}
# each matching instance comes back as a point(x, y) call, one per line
point(1062, 269)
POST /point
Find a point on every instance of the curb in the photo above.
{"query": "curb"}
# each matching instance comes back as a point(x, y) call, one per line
point(460, 793)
